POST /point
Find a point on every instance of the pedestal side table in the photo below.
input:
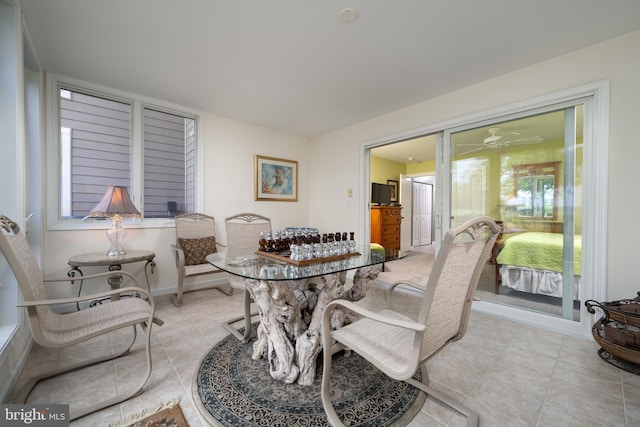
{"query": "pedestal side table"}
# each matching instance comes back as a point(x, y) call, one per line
point(97, 259)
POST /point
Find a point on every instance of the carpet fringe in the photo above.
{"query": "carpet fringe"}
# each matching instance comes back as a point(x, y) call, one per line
point(132, 418)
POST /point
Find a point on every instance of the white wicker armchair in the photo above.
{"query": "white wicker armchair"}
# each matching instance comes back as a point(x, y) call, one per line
point(55, 330)
point(397, 344)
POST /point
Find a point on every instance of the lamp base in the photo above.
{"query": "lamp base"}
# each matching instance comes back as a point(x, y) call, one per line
point(116, 235)
point(116, 251)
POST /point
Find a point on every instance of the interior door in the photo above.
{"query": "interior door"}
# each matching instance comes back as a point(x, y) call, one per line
point(426, 191)
point(407, 207)
point(422, 213)
point(415, 216)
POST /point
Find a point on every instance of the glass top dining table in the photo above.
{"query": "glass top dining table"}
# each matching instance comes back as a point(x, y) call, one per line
point(291, 299)
point(249, 265)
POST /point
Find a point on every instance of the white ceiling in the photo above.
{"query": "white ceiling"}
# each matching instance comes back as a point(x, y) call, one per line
point(412, 151)
point(291, 65)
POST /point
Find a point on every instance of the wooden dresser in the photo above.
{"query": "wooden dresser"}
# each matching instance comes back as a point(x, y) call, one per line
point(385, 226)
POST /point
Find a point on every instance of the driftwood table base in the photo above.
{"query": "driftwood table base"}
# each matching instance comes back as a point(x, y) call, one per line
point(291, 315)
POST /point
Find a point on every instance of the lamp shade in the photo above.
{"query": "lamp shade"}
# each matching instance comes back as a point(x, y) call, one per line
point(115, 201)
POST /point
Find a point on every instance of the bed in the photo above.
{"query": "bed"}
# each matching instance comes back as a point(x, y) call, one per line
point(532, 262)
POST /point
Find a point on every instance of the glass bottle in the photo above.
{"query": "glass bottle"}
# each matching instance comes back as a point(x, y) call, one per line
point(262, 242)
point(352, 242)
point(270, 247)
point(280, 241)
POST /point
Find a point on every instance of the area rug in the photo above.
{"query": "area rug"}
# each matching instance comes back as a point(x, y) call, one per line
point(167, 414)
point(231, 389)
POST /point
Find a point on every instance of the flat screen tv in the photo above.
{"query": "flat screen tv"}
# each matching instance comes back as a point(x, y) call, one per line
point(380, 194)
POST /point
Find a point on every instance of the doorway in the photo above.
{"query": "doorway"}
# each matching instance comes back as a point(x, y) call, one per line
point(422, 214)
point(411, 163)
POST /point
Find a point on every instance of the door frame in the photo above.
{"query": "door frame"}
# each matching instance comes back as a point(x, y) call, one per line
point(407, 203)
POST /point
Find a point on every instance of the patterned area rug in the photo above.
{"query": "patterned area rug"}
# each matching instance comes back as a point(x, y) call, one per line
point(231, 389)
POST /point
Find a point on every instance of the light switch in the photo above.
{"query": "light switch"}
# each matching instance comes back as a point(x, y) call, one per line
point(350, 192)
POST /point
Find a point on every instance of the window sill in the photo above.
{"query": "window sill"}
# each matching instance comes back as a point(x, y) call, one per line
point(78, 224)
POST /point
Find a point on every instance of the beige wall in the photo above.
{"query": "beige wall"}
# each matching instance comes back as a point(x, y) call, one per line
point(617, 60)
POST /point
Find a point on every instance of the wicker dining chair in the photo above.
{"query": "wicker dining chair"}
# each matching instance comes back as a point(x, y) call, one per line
point(54, 330)
point(243, 233)
point(397, 344)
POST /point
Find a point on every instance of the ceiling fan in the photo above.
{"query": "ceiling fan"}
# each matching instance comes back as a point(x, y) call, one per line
point(494, 140)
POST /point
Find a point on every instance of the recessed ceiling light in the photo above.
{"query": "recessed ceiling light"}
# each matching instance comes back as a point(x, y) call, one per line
point(410, 159)
point(348, 15)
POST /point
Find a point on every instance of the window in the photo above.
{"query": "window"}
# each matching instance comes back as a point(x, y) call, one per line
point(95, 150)
point(169, 164)
point(108, 139)
point(536, 191)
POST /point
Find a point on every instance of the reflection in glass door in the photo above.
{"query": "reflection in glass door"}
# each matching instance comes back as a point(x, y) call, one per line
point(526, 174)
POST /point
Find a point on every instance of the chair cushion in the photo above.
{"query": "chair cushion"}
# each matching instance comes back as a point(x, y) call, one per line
point(196, 250)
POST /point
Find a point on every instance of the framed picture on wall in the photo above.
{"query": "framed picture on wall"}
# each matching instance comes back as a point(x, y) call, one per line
point(394, 190)
point(276, 179)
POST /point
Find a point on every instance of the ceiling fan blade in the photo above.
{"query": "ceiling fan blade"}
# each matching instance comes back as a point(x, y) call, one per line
point(535, 139)
point(472, 150)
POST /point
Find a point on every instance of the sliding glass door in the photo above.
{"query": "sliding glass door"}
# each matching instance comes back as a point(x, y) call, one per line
point(539, 167)
point(526, 173)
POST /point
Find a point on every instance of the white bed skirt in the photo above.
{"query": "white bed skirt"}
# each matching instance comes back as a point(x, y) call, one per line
point(536, 281)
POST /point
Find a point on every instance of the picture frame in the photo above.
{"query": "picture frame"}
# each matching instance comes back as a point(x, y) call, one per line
point(394, 190)
point(276, 180)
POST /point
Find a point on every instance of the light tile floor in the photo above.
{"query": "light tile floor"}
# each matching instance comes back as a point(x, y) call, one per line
point(511, 374)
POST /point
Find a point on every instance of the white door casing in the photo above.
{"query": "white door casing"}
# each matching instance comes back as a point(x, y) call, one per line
point(407, 207)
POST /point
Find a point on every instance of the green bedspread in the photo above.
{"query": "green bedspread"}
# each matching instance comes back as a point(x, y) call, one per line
point(539, 250)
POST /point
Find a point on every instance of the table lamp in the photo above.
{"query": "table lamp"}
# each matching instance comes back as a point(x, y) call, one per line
point(115, 204)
